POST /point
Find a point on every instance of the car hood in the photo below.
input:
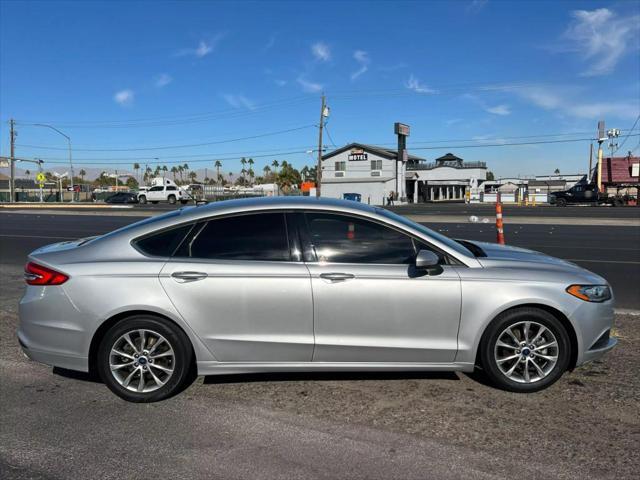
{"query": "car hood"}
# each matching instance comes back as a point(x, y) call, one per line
point(495, 251)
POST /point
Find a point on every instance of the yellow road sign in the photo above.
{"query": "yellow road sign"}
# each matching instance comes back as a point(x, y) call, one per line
point(41, 177)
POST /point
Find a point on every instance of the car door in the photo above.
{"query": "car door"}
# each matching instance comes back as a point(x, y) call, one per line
point(370, 302)
point(238, 282)
point(155, 193)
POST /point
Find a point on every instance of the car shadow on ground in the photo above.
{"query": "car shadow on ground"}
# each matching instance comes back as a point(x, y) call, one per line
point(327, 376)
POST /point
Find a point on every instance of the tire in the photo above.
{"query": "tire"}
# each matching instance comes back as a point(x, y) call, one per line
point(618, 202)
point(142, 199)
point(172, 199)
point(525, 376)
point(561, 202)
point(155, 202)
point(163, 376)
point(184, 202)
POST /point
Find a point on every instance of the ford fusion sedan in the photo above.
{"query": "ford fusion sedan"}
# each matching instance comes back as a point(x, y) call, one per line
point(305, 284)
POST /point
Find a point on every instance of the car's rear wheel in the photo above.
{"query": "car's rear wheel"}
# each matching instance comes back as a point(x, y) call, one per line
point(145, 359)
point(172, 199)
point(525, 350)
point(142, 199)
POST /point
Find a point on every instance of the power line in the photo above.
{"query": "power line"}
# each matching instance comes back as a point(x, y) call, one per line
point(627, 136)
point(169, 147)
point(171, 162)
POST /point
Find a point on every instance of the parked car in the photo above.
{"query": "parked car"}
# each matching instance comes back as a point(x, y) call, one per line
point(356, 197)
point(164, 193)
point(289, 284)
point(122, 197)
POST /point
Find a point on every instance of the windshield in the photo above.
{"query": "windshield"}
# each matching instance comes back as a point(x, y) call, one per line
point(427, 231)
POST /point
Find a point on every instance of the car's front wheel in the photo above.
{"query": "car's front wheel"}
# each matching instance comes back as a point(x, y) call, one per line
point(561, 202)
point(525, 350)
point(142, 199)
point(145, 359)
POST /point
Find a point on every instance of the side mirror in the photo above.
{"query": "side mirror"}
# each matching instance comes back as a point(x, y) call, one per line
point(426, 259)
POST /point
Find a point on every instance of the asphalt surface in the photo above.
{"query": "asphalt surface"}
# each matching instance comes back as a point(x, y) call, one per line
point(59, 425)
point(613, 252)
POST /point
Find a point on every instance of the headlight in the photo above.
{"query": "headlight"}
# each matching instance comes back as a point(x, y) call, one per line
point(590, 293)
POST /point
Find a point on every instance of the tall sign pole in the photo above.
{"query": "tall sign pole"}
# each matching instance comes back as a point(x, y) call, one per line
point(12, 160)
point(323, 113)
point(601, 138)
point(402, 131)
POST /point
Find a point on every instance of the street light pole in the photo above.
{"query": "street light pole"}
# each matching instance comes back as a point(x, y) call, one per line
point(70, 160)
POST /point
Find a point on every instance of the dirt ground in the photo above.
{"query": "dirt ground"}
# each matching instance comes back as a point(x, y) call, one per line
point(587, 425)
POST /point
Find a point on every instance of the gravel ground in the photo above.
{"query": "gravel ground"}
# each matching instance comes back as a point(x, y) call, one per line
point(323, 426)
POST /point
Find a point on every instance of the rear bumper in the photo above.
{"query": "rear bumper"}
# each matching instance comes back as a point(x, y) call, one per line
point(52, 358)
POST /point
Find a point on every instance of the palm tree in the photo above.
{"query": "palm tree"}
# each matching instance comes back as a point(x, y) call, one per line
point(27, 173)
point(174, 170)
point(147, 173)
point(218, 164)
point(243, 172)
point(180, 170)
point(186, 169)
point(557, 171)
point(136, 168)
point(231, 178)
point(164, 171)
point(193, 175)
point(275, 165)
point(82, 174)
point(266, 171)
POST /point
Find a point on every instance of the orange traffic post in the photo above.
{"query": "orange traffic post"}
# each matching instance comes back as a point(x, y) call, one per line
point(499, 226)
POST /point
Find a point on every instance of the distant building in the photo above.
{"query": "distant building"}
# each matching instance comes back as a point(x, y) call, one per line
point(371, 171)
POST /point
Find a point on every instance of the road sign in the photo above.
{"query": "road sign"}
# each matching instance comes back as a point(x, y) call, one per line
point(41, 177)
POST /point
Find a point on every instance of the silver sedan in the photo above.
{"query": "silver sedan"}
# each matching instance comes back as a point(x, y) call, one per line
point(305, 284)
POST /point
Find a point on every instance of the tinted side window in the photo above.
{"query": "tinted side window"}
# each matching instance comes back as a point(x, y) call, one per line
point(261, 236)
point(164, 243)
point(155, 189)
point(345, 239)
point(171, 187)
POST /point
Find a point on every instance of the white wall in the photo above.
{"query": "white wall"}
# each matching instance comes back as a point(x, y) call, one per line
point(450, 173)
point(357, 168)
point(372, 192)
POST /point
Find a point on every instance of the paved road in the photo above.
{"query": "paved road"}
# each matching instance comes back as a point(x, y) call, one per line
point(613, 252)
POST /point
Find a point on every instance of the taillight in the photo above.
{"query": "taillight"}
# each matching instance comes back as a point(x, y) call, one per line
point(35, 274)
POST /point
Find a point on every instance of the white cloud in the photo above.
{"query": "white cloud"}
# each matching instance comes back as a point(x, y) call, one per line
point(238, 101)
point(414, 84)
point(321, 51)
point(124, 97)
point(363, 60)
point(563, 100)
point(476, 5)
point(204, 48)
point(602, 38)
point(308, 86)
point(488, 140)
point(501, 109)
point(163, 80)
point(279, 82)
point(272, 41)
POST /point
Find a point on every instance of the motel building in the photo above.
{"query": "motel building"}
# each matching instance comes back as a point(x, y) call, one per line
point(374, 172)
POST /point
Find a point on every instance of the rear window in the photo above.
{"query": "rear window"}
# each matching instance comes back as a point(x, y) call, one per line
point(260, 237)
point(164, 243)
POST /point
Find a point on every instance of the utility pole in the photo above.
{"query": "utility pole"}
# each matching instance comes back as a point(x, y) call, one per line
point(324, 112)
point(590, 162)
point(12, 160)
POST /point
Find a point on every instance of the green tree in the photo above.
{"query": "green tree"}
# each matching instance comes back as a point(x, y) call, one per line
point(490, 175)
point(557, 171)
point(193, 175)
point(136, 168)
point(27, 173)
point(132, 183)
point(82, 174)
point(275, 165)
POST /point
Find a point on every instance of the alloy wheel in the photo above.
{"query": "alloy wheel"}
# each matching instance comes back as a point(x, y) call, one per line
point(526, 352)
point(142, 360)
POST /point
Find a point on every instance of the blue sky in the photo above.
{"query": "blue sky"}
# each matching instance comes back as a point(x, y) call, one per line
point(136, 75)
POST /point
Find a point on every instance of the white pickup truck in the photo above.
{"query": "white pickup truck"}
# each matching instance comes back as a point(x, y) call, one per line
point(164, 193)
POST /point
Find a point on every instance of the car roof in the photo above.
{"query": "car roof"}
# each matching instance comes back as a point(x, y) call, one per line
point(290, 202)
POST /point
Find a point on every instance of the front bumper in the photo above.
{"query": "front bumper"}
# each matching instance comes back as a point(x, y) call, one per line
point(593, 323)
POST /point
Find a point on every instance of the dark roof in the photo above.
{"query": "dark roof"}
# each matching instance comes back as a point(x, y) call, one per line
point(381, 151)
point(448, 157)
point(618, 169)
point(549, 183)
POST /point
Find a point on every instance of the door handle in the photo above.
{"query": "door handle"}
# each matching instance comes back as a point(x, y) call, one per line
point(184, 277)
point(337, 277)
